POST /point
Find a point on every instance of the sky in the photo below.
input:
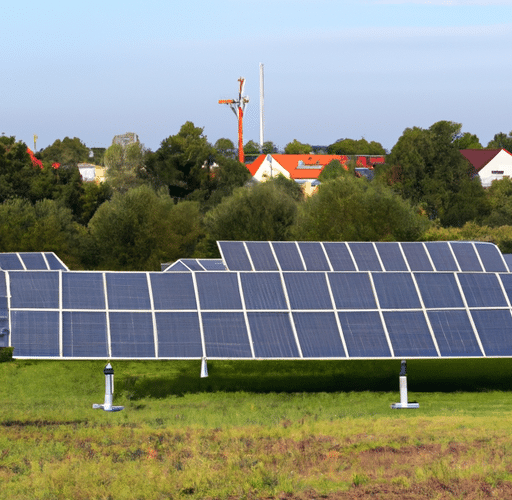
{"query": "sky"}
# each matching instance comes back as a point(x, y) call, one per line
point(333, 69)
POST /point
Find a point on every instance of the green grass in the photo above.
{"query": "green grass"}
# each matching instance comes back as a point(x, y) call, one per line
point(255, 429)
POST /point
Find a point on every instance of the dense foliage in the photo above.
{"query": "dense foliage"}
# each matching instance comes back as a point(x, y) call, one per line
point(179, 200)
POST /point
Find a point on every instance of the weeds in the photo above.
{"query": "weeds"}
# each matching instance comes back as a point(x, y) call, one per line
point(239, 444)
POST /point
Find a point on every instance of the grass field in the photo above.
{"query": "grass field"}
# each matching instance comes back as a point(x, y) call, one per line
point(287, 430)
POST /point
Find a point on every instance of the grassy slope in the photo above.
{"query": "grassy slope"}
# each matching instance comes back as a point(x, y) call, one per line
point(255, 429)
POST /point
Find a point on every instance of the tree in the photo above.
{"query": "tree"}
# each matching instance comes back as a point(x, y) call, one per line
point(67, 152)
point(16, 170)
point(261, 212)
point(426, 167)
point(251, 148)
point(354, 147)
point(269, 148)
point(352, 209)
point(229, 175)
point(332, 170)
point(499, 198)
point(140, 229)
point(501, 140)
point(45, 226)
point(297, 148)
point(124, 166)
point(182, 163)
point(225, 147)
point(467, 141)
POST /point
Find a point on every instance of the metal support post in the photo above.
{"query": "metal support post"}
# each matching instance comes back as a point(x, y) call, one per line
point(109, 391)
point(404, 403)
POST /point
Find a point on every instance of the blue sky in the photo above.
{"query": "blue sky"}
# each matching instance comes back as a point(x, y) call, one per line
point(333, 69)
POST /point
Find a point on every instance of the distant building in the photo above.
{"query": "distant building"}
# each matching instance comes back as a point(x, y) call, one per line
point(306, 168)
point(91, 173)
point(125, 139)
point(489, 164)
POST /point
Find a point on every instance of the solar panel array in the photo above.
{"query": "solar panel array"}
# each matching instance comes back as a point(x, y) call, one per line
point(277, 300)
point(362, 256)
point(30, 261)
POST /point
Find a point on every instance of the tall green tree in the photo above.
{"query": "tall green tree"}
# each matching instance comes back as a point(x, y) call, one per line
point(354, 147)
point(269, 148)
point(68, 152)
point(225, 147)
point(45, 226)
point(140, 229)
point(261, 212)
point(351, 209)
point(182, 163)
point(16, 169)
point(426, 167)
point(501, 140)
point(124, 166)
point(297, 148)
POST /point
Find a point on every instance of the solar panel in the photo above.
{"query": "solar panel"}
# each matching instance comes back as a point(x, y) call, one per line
point(364, 334)
point(442, 256)
point(391, 256)
point(235, 255)
point(466, 257)
point(365, 256)
point(491, 257)
point(33, 261)
point(291, 300)
point(454, 333)
point(319, 335)
point(272, 335)
point(340, 257)
point(417, 257)
point(127, 291)
point(314, 256)
point(263, 291)
point(396, 291)
point(300, 287)
point(54, 263)
point(288, 256)
point(262, 256)
point(409, 334)
point(439, 290)
point(10, 262)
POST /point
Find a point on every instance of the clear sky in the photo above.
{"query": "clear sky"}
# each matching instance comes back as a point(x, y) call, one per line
point(333, 68)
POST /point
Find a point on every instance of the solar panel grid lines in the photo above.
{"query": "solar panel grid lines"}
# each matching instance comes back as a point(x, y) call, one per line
point(153, 314)
point(287, 299)
point(242, 297)
point(381, 315)
point(429, 324)
point(473, 326)
point(199, 315)
point(379, 258)
point(338, 322)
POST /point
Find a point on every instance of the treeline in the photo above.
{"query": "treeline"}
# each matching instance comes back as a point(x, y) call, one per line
point(178, 201)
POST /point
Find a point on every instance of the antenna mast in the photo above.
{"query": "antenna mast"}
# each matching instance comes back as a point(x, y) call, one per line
point(262, 97)
point(238, 107)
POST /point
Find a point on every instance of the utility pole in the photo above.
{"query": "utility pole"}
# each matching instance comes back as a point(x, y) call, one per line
point(238, 107)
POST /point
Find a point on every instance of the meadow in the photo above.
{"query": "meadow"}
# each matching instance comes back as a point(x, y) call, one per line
point(256, 429)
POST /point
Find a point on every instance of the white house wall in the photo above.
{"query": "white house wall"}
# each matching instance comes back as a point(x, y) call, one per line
point(500, 166)
point(267, 170)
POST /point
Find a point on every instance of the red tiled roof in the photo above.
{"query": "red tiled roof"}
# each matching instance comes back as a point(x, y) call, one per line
point(311, 165)
point(479, 158)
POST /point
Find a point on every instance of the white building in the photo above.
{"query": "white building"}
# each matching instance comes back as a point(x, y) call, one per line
point(490, 164)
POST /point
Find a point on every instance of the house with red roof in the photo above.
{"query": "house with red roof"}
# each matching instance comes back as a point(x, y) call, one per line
point(490, 164)
point(303, 168)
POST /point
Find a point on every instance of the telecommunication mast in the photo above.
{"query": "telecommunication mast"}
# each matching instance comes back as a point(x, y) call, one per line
point(238, 107)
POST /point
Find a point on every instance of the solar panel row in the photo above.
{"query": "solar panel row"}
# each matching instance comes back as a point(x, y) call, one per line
point(30, 261)
point(196, 265)
point(361, 256)
point(259, 315)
